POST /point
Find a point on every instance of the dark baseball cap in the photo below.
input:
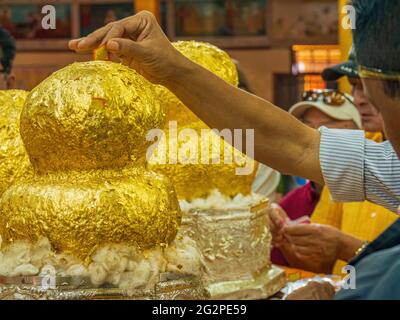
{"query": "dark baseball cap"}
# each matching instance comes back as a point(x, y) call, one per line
point(348, 68)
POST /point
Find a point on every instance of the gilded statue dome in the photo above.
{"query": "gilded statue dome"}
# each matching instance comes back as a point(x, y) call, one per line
point(91, 115)
point(203, 165)
point(79, 211)
point(84, 129)
point(14, 161)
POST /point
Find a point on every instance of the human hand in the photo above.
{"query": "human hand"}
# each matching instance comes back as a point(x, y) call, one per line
point(316, 246)
point(313, 291)
point(140, 43)
point(278, 218)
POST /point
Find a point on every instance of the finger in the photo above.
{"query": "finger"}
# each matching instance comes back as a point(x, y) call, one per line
point(93, 40)
point(275, 215)
point(300, 230)
point(325, 289)
point(276, 219)
point(278, 238)
point(303, 241)
point(329, 289)
point(279, 243)
point(140, 25)
point(127, 61)
point(279, 210)
point(73, 44)
point(304, 253)
point(276, 226)
point(126, 48)
point(117, 31)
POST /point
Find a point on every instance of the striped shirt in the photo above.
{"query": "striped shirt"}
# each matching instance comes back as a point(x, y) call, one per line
point(356, 169)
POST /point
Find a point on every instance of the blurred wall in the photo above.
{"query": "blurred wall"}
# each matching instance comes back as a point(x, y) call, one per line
point(31, 68)
point(259, 65)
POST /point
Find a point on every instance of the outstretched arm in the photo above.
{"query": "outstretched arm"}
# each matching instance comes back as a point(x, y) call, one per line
point(281, 141)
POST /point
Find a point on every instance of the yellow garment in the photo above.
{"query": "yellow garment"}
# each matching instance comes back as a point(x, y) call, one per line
point(363, 220)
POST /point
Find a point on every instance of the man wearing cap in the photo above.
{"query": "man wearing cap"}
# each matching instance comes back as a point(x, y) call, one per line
point(372, 121)
point(338, 230)
point(363, 220)
point(319, 108)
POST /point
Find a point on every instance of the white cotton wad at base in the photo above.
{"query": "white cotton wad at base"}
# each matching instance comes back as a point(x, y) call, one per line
point(120, 265)
point(216, 200)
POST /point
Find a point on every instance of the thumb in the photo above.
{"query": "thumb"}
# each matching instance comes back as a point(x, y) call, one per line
point(127, 48)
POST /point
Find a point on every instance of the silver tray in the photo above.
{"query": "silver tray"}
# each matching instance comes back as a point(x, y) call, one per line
point(262, 286)
point(170, 287)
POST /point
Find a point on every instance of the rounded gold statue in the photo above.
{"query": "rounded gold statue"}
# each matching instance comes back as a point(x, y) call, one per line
point(95, 116)
point(85, 129)
point(14, 161)
point(193, 178)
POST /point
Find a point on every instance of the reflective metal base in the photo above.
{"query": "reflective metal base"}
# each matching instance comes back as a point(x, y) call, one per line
point(263, 286)
point(170, 287)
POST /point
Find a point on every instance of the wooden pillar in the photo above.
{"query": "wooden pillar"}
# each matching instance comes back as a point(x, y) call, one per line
point(149, 5)
point(345, 42)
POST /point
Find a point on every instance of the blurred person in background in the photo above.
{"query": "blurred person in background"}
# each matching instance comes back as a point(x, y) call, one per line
point(7, 56)
point(378, 74)
point(334, 224)
point(371, 118)
point(327, 108)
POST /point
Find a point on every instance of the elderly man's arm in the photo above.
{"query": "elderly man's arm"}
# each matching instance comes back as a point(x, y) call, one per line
point(281, 141)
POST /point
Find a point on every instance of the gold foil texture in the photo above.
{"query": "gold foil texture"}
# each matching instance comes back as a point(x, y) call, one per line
point(201, 165)
point(85, 130)
point(78, 211)
point(101, 54)
point(91, 115)
point(198, 180)
point(14, 161)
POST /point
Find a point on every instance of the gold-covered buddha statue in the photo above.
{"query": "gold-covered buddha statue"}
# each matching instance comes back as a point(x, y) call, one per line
point(84, 129)
point(194, 178)
point(14, 161)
